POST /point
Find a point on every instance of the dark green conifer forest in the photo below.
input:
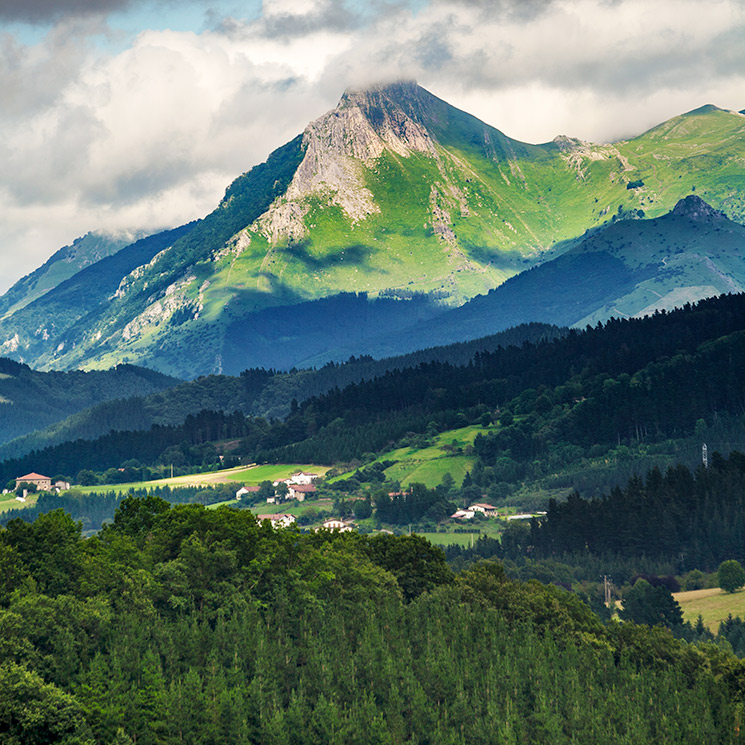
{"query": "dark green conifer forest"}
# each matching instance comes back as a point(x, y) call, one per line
point(185, 625)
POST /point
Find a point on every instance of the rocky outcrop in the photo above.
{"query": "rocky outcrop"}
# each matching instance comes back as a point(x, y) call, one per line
point(695, 208)
point(338, 146)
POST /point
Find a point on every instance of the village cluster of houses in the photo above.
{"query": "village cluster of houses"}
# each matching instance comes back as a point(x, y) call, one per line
point(284, 520)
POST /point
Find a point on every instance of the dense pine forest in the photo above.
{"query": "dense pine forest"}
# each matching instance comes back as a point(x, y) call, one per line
point(185, 625)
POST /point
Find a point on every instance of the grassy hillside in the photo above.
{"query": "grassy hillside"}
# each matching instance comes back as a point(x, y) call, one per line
point(713, 605)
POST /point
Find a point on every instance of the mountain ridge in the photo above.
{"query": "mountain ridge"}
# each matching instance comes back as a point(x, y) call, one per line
point(396, 190)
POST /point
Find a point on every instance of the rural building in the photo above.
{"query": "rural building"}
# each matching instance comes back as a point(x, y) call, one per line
point(279, 520)
point(301, 491)
point(61, 485)
point(303, 478)
point(43, 483)
point(463, 515)
point(485, 509)
point(246, 490)
point(336, 524)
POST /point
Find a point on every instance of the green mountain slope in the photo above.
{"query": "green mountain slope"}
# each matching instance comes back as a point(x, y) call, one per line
point(629, 268)
point(392, 190)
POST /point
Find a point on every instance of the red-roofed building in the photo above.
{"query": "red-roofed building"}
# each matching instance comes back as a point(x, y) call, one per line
point(486, 509)
point(44, 483)
point(279, 520)
point(301, 491)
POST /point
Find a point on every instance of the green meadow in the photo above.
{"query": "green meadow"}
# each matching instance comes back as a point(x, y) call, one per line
point(712, 604)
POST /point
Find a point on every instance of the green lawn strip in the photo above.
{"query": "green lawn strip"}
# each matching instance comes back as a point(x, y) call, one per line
point(449, 539)
point(257, 474)
point(713, 604)
point(228, 503)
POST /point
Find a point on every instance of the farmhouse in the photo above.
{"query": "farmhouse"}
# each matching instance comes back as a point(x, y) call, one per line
point(44, 483)
point(279, 520)
point(485, 509)
point(300, 491)
point(463, 515)
point(301, 477)
point(246, 490)
point(336, 524)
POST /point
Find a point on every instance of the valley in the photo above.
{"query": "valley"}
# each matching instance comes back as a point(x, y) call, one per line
point(424, 434)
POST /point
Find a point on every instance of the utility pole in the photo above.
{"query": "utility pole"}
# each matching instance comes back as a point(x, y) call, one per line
point(606, 587)
point(705, 456)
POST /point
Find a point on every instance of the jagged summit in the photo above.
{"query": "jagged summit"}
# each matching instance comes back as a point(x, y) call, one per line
point(695, 208)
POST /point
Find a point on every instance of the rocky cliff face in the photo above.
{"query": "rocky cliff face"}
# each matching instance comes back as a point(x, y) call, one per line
point(339, 146)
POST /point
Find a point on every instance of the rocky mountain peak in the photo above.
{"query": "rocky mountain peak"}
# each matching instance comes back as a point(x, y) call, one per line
point(694, 208)
point(337, 145)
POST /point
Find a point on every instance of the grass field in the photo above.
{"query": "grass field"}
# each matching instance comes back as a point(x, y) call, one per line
point(449, 539)
point(428, 465)
point(9, 502)
point(714, 605)
point(249, 475)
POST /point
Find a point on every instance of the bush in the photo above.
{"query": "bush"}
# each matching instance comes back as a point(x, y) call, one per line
point(731, 575)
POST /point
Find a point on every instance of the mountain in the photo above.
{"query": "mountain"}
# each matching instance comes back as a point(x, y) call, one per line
point(632, 267)
point(70, 305)
point(62, 265)
point(394, 191)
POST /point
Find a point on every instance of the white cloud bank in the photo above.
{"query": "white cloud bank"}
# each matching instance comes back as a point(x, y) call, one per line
point(149, 137)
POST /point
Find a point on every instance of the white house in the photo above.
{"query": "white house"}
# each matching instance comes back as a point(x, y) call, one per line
point(336, 524)
point(301, 477)
point(246, 490)
point(463, 514)
point(279, 520)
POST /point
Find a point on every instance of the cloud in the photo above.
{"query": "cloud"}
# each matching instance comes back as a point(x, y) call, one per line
point(46, 11)
point(150, 135)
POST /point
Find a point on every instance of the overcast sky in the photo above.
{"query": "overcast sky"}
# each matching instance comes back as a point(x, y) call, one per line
point(136, 114)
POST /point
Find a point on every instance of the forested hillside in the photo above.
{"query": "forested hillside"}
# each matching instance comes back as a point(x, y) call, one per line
point(184, 625)
point(696, 519)
point(258, 392)
point(31, 400)
point(629, 382)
